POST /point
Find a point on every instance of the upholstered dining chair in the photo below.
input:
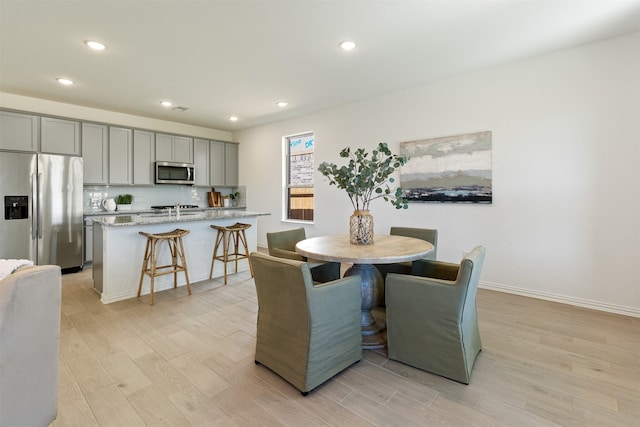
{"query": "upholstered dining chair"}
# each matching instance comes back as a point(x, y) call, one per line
point(282, 244)
point(428, 234)
point(307, 332)
point(432, 323)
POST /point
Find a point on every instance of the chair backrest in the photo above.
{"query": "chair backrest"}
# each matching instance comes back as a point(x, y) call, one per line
point(281, 287)
point(469, 274)
point(284, 240)
point(428, 234)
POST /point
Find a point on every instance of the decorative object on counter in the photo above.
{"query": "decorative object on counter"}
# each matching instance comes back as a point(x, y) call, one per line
point(365, 178)
point(109, 204)
point(123, 202)
point(215, 198)
point(234, 198)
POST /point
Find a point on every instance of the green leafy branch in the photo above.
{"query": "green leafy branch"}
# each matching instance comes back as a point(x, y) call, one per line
point(366, 177)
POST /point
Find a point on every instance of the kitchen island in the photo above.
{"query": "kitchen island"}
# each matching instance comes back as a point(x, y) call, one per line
point(118, 249)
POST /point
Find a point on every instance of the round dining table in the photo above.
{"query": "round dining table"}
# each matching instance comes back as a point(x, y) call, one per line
point(384, 250)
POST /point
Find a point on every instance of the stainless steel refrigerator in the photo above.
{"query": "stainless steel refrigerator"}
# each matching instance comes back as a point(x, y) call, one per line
point(41, 196)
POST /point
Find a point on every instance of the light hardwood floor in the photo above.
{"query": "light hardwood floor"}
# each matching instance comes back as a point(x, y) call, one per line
point(189, 361)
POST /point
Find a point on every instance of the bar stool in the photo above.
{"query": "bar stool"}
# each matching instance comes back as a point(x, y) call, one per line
point(225, 233)
point(149, 264)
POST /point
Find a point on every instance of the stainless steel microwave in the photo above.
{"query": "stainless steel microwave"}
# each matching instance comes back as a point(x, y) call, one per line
point(175, 173)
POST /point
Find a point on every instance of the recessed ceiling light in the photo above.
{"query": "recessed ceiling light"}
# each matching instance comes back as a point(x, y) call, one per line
point(233, 118)
point(347, 45)
point(64, 81)
point(282, 103)
point(166, 103)
point(95, 45)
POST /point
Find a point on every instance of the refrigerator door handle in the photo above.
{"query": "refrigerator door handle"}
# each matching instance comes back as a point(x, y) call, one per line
point(40, 204)
point(34, 206)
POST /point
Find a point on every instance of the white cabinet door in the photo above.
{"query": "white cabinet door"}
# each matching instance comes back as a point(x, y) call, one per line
point(95, 152)
point(60, 136)
point(231, 165)
point(144, 153)
point(201, 161)
point(120, 156)
point(20, 132)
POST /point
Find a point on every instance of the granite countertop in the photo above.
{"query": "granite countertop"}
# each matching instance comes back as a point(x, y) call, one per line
point(102, 212)
point(151, 218)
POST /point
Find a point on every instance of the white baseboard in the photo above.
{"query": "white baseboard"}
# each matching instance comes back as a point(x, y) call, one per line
point(563, 299)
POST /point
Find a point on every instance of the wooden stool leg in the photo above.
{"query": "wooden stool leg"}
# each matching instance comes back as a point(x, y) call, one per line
point(184, 264)
point(246, 250)
point(173, 248)
point(226, 237)
point(153, 267)
point(145, 260)
point(215, 252)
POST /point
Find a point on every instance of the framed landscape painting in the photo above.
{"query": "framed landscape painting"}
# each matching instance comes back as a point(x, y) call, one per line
point(453, 169)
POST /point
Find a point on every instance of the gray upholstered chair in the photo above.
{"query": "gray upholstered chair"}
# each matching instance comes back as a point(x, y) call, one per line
point(432, 323)
point(282, 244)
point(29, 346)
point(430, 235)
point(307, 332)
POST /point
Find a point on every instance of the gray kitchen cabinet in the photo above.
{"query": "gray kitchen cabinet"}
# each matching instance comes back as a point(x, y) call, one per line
point(20, 132)
point(120, 155)
point(144, 153)
point(231, 164)
point(223, 164)
point(60, 136)
point(216, 164)
point(95, 153)
point(174, 148)
point(201, 161)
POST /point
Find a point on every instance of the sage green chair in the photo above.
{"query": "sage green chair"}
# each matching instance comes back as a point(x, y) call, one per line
point(307, 332)
point(432, 323)
point(282, 244)
point(428, 234)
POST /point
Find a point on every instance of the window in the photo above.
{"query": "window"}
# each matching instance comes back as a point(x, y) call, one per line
point(299, 176)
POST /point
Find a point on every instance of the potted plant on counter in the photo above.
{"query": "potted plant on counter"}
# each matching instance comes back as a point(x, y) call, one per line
point(365, 178)
point(123, 202)
point(230, 199)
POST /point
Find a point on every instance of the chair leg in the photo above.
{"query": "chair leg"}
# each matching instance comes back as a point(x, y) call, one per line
point(184, 264)
point(225, 256)
point(219, 237)
point(145, 266)
point(153, 268)
point(246, 250)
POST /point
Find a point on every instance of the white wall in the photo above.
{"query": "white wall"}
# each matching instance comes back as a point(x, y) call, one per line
point(565, 221)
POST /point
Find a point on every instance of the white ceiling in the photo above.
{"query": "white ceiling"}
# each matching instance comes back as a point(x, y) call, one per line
point(222, 58)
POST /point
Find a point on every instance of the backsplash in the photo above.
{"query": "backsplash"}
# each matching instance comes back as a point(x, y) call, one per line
point(145, 197)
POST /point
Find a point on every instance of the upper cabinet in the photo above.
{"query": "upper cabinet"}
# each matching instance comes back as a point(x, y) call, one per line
point(60, 136)
point(19, 132)
point(144, 154)
point(201, 161)
point(95, 153)
point(223, 164)
point(174, 148)
point(120, 156)
point(231, 164)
